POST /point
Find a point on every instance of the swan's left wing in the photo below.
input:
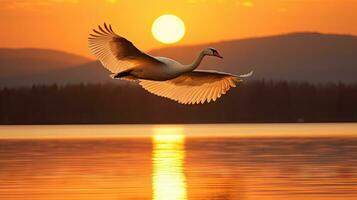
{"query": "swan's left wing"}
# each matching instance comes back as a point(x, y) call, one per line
point(194, 87)
point(115, 52)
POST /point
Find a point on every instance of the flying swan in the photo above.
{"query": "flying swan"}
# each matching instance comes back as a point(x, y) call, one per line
point(159, 75)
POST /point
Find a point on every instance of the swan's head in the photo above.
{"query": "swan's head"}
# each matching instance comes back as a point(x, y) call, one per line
point(211, 52)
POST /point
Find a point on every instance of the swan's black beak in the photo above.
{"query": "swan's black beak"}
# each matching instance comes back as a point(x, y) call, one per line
point(217, 54)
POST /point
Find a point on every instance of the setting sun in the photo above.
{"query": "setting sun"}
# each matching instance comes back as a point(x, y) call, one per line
point(168, 29)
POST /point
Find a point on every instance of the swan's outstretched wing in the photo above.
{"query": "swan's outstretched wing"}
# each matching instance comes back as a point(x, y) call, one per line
point(194, 87)
point(116, 53)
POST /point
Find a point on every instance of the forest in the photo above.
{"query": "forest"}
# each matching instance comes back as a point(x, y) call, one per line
point(251, 102)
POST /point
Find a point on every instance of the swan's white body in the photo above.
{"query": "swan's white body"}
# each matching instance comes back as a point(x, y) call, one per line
point(169, 69)
point(159, 75)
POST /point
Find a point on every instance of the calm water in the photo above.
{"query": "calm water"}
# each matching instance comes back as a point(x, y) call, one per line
point(315, 162)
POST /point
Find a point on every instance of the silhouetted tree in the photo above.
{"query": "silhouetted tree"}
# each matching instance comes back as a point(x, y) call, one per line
point(256, 101)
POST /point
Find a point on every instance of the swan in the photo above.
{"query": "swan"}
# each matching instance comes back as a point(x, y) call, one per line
point(161, 76)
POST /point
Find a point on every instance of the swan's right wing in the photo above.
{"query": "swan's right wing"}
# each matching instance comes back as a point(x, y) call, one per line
point(194, 87)
point(116, 53)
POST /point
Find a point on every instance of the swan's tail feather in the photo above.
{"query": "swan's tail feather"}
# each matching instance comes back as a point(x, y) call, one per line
point(246, 75)
point(112, 76)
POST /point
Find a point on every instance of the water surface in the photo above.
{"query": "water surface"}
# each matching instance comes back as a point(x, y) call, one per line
point(260, 162)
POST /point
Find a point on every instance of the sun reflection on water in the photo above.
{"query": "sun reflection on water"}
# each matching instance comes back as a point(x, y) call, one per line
point(168, 178)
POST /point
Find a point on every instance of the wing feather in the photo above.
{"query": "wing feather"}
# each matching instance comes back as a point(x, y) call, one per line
point(209, 96)
point(205, 94)
point(116, 53)
point(194, 95)
point(194, 87)
point(200, 95)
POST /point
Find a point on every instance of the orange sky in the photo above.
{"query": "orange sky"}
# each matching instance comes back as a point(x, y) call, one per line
point(65, 24)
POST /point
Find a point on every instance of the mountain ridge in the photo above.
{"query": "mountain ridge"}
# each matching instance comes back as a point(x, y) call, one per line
point(300, 56)
point(322, 57)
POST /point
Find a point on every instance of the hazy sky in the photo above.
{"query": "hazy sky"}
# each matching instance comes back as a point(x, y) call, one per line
point(65, 24)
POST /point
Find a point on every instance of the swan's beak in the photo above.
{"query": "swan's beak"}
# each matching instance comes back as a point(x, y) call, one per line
point(217, 55)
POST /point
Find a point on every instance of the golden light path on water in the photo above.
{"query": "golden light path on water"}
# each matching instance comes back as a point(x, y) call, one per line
point(168, 178)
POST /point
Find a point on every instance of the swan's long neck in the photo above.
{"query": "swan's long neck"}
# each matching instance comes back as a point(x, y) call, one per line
point(195, 63)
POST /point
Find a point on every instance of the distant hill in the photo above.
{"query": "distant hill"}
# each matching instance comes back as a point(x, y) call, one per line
point(91, 72)
point(311, 57)
point(23, 67)
point(14, 62)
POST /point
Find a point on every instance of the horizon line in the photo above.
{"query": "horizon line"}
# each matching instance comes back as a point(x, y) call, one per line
point(90, 57)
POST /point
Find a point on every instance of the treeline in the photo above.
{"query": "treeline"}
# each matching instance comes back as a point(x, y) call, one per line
point(256, 101)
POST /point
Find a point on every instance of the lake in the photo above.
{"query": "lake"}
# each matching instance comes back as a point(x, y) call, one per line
point(179, 162)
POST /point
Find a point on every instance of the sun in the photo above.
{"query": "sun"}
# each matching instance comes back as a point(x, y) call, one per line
point(168, 29)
